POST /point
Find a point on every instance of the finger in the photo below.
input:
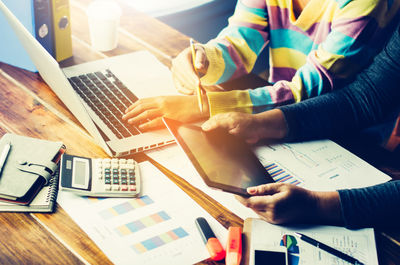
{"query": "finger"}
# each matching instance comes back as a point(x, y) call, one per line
point(184, 83)
point(139, 108)
point(215, 122)
point(144, 116)
point(152, 124)
point(259, 203)
point(131, 107)
point(185, 91)
point(200, 62)
point(209, 125)
point(181, 89)
point(235, 130)
point(265, 189)
point(141, 102)
point(183, 69)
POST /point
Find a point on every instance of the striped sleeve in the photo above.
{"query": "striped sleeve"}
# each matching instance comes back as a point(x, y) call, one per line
point(358, 31)
point(234, 52)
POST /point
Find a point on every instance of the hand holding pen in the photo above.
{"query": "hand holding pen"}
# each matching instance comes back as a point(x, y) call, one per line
point(185, 71)
point(197, 65)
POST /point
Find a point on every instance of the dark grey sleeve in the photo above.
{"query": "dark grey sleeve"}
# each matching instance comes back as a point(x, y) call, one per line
point(375, 206)
point(371, 97)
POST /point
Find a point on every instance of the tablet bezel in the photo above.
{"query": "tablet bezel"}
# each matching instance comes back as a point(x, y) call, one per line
point(173, 126)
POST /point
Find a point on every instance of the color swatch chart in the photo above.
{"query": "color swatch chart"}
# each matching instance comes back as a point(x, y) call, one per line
point(125, 207)
point(142, 223)
point(157, 228)
point(159, 240)
point(281, 175)
point(290, 242)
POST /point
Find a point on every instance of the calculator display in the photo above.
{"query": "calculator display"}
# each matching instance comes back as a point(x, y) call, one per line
point(80, 174)
point(100, 177)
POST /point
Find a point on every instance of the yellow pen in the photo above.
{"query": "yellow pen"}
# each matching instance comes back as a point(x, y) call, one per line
point(199, 97)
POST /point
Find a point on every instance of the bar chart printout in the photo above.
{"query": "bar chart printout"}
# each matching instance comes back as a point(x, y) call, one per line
point(318, 165)
point(142, 223)
point(152, 229)
point(281, 175)
point(159, 240)
point(126, 207)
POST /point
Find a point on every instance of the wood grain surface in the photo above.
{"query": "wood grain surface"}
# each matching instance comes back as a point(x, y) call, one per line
point(29, 107)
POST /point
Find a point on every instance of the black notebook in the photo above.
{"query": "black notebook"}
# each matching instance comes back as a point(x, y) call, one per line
point(28, 166)
point(44, 201)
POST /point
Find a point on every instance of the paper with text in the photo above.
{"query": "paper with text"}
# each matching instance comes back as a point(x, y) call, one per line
point(316, 165)
point(359, 244)
point(157, 228)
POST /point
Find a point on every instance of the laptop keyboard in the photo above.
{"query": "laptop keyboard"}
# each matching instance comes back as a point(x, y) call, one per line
point(108, 97)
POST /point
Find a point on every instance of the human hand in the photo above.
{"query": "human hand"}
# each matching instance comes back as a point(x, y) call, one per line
point(251, 127)
point(183, 73)
point(280, 203)
point(185, 78)
point(147, 112)
point(240, 124)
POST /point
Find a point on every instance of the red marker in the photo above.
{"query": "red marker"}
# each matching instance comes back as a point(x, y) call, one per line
point(234, 246)
point(213, 245)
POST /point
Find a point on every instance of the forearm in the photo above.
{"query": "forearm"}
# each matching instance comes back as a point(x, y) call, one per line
point(251, 100)
point(234, 51)
point(270, 124)
point(376, 206)
point(368, 100)
point(327, 208)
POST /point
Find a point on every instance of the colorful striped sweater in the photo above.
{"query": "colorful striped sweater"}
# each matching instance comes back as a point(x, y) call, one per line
point(327, 44)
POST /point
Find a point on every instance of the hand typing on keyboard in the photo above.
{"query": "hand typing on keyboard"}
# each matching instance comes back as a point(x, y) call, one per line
point(147, 112)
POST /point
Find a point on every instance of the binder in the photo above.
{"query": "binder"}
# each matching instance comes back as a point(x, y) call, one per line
point(44, 24)
point(62, 29)
point(44, 201)
point(29, 166)
point(36, 16)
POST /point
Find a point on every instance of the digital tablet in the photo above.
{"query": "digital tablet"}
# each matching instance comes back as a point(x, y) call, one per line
point(224, 161)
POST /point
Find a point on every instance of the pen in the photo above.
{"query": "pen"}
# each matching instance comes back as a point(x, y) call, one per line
point(199, 98)
point(213, 245)
point(329, 249)
point(234, 246)
point(4, 155)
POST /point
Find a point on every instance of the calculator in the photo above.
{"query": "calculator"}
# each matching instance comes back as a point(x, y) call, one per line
point(98, 177)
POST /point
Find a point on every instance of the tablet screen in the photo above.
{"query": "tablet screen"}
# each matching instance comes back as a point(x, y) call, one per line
point(222, 160)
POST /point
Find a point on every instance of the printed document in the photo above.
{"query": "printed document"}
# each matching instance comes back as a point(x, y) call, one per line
point(157, 228)
point(315, 165)
point(359, 244)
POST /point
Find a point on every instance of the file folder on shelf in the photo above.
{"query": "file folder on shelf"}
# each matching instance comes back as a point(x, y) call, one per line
point(62, 29)
point(36, 16)
point(47, 20)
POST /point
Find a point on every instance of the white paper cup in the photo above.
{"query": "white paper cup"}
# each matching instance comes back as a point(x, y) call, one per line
point(103, 17)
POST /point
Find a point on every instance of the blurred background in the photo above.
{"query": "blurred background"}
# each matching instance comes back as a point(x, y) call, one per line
point(200, 19)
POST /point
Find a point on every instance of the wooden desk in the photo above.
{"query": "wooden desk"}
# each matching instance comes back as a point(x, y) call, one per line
point(29, 107)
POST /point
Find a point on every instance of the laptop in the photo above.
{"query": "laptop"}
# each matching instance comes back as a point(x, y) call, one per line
point(97, 93)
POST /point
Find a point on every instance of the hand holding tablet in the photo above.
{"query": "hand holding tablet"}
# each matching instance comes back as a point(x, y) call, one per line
point(223, 161)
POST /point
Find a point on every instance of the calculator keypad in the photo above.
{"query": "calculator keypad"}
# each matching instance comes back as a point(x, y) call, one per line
point(118, 174)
